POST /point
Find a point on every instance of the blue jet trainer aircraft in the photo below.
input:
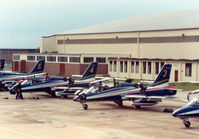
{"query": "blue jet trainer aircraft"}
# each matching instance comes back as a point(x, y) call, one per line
point(51, 84)
point(8, 79)
point(191, 110)
point(139, 96)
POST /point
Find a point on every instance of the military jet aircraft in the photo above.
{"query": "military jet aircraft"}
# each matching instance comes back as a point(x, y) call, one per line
point(139, 96)
point(8, 79)
point(51, 84)
point(191, 110)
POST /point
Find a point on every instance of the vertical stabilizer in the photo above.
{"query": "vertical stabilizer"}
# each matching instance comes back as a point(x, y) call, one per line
point(91, 70)
point(39, 67)
point(164, 74)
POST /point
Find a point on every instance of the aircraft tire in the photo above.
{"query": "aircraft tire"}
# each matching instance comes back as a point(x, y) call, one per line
point(52, 93)
point(137, 107)
point(63, 96)
point(119, 103)
point(187, 124)
point(85, 106)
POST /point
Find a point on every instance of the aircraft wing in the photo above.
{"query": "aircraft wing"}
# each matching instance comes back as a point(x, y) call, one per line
point(144, 97)
point(77, 76)
point(101, 80)
point(67, 88)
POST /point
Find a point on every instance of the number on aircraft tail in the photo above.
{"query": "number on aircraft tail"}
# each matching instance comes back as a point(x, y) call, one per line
point(165, 73)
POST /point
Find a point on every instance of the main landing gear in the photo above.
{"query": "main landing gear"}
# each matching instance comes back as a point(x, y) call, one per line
point(186, 122)
point(119, 103)
point(135, 107)
point(83, 101)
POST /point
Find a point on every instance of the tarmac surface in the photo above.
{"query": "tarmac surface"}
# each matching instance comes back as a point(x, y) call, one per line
point(50, 118)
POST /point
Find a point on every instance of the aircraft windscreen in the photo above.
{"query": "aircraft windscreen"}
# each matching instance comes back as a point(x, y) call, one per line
point(194, 101)
point(24, 82)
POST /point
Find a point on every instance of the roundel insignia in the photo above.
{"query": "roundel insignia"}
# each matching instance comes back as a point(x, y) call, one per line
point(39, 66)
point(92, 70)
point(165, 73)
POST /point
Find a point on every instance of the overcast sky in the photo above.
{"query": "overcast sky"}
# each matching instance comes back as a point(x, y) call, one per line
point(23, 22)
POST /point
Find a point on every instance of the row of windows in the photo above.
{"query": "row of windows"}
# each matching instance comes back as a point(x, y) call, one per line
point(147, 67)
point(134, 66)
point(53, 58)
point(63, 59)
point(98, 59)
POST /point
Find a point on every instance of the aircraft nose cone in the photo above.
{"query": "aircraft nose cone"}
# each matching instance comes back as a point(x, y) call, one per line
point(175, 113)
point(179, 112)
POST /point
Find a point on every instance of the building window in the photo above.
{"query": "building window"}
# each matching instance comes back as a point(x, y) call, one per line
point(156, 67)
point(110, 65)
point(137, 67)
point(88, 59)
point(74, 59)
point(60, 41)
point(115, 66)
point(40, 58)
point(101, 59)
point(16, 57)
point(144, 67)
point(121, 66)
point(62, 59)
point(149, 67)
point(132, 67)
point(162, 64)
point(125, 66)
point(51, 58)
point(188, 69)
point(31, 58)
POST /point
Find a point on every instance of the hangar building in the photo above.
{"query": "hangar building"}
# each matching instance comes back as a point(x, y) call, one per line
point(134, 47)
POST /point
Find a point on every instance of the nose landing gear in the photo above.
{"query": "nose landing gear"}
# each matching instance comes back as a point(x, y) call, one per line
point(83, 101)
point(186, 122)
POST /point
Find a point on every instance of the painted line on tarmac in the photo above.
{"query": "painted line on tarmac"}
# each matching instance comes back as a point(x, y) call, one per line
point(19, 133)
point(193, 132)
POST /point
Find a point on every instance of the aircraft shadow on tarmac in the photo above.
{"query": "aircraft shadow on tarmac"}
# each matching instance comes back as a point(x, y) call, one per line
point(109, 106)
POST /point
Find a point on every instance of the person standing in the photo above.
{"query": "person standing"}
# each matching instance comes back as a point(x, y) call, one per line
point(19, 92)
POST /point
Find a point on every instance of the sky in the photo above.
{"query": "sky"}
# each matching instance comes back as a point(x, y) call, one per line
point(24, 22)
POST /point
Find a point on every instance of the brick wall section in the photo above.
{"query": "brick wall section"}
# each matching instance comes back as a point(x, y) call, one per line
point(29, 66)
point(70, 69)
point(52, 68)
point(7, 53)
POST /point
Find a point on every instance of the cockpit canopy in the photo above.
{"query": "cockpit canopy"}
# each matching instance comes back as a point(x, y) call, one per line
point(194, 102)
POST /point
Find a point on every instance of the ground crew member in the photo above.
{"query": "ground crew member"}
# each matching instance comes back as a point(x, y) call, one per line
point(19, 92)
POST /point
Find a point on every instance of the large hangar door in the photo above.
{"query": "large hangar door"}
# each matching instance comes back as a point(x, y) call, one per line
point(16, 66)
point(23, 66)
point(176, 75)
point(62, 69)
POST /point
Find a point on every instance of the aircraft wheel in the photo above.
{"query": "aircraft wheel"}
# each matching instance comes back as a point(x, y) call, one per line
point(187, 124)
point(136, 107)
point(119, 103)
point(63, 96)
point(52, 93)
point(85, 106)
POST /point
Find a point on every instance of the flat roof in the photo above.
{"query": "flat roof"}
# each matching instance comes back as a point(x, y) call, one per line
point(148, 22)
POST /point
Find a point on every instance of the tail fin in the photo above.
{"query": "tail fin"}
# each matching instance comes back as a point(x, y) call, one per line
point(2, 63)
point(164, 74)
point(91, 70)
point(39, 67)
